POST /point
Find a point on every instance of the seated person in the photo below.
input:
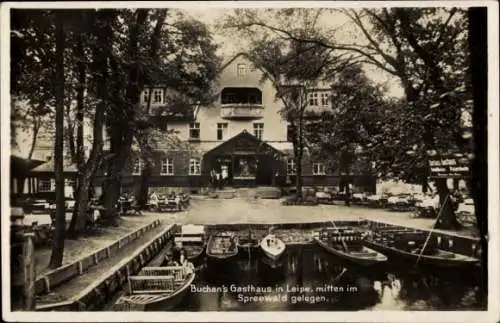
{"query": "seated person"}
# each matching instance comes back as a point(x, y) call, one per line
point(153, 199)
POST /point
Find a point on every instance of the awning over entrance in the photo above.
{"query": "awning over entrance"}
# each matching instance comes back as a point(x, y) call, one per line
point(244, 144)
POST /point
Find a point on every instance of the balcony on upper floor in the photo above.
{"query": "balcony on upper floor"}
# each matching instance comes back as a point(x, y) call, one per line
point(241, 103)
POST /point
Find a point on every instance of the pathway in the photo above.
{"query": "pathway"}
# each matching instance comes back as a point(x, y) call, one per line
point(251, 210)
point(76, 285)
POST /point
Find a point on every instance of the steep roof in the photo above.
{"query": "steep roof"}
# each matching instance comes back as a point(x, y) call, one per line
point(244, 142)
point(232, 59)
point(48, 167)
point(20, 167)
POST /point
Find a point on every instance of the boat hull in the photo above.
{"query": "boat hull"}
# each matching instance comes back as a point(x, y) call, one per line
point(167, 304)
point(273, 254)
point(425, 260)
point(364, 261)
point(224, 257)
point(246, 249)
point(162, 303)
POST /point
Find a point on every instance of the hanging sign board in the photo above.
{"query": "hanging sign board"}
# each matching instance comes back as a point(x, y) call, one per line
point(450, 166)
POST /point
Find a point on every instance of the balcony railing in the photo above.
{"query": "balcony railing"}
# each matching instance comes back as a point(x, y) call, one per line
point(242, 110)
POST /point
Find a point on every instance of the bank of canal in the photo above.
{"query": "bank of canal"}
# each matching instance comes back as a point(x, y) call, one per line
point(310, 279)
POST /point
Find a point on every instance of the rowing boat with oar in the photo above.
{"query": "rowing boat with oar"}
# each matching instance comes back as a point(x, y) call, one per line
point(222, 247)
point(418, 248)
point(347, 243)
point(272, 246)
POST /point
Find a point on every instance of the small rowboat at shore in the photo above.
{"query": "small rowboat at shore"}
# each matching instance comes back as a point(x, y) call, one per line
point(272, 247)
point(222, 246)
point(248, 243)
point(192, 240)
point(407, 246)
point(347, 244)
point(156, 289)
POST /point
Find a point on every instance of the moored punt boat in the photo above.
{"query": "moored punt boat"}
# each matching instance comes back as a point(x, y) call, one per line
point(408, 246)
point(248, 243)
point(156, 288)
point(192, 240)
point(222, 246)
point(248, 246)
point(347, 244)
point(272, 246)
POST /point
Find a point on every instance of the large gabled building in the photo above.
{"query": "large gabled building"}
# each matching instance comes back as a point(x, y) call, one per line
point(241, 130)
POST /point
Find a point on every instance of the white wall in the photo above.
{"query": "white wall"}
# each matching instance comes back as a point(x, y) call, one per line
point(275, 127)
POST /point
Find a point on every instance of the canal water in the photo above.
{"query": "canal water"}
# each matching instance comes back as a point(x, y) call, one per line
point(307, 278)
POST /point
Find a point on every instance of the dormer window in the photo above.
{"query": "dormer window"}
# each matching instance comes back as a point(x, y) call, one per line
point(241, 70)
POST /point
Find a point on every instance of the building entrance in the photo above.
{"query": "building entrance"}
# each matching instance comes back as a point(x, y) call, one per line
point(247, 160)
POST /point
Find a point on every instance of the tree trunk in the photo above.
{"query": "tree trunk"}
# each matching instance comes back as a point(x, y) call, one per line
point(121, 148)
point(36, 128)
point(111, 196)
point(447, 219)
point(425, 184)
point(147, 171)
point(87, 174)
point(78, 153)
point(56, 256)
point(80, 97)
point(122, 134)
point(20, 184)
point(298, 176)
point(299, 149)
point(142, 196)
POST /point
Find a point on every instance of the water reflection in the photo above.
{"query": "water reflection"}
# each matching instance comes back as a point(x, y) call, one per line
point(309, 279)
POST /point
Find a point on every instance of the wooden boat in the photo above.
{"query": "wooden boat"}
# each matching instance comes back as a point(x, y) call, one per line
point(248, 243)
point(347, 244)
point(407, 246)
point(156, 288)
point(272, 247)
point(222, 246)
point(192, 240)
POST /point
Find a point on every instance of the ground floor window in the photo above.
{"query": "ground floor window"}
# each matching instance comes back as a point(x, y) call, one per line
point(194, 166)
point(291, 168)
point(46, 185)
point(318, 169)
point(167, 166)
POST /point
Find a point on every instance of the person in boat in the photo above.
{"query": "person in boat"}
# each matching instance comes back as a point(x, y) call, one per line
point(187, 266)
point(271, 242)
point(169, 261)
point(177, 253)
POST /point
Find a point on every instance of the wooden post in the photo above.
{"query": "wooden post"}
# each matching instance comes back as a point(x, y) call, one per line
point(29, 272)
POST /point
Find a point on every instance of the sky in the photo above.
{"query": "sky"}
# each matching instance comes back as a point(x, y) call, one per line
point(232, 45)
